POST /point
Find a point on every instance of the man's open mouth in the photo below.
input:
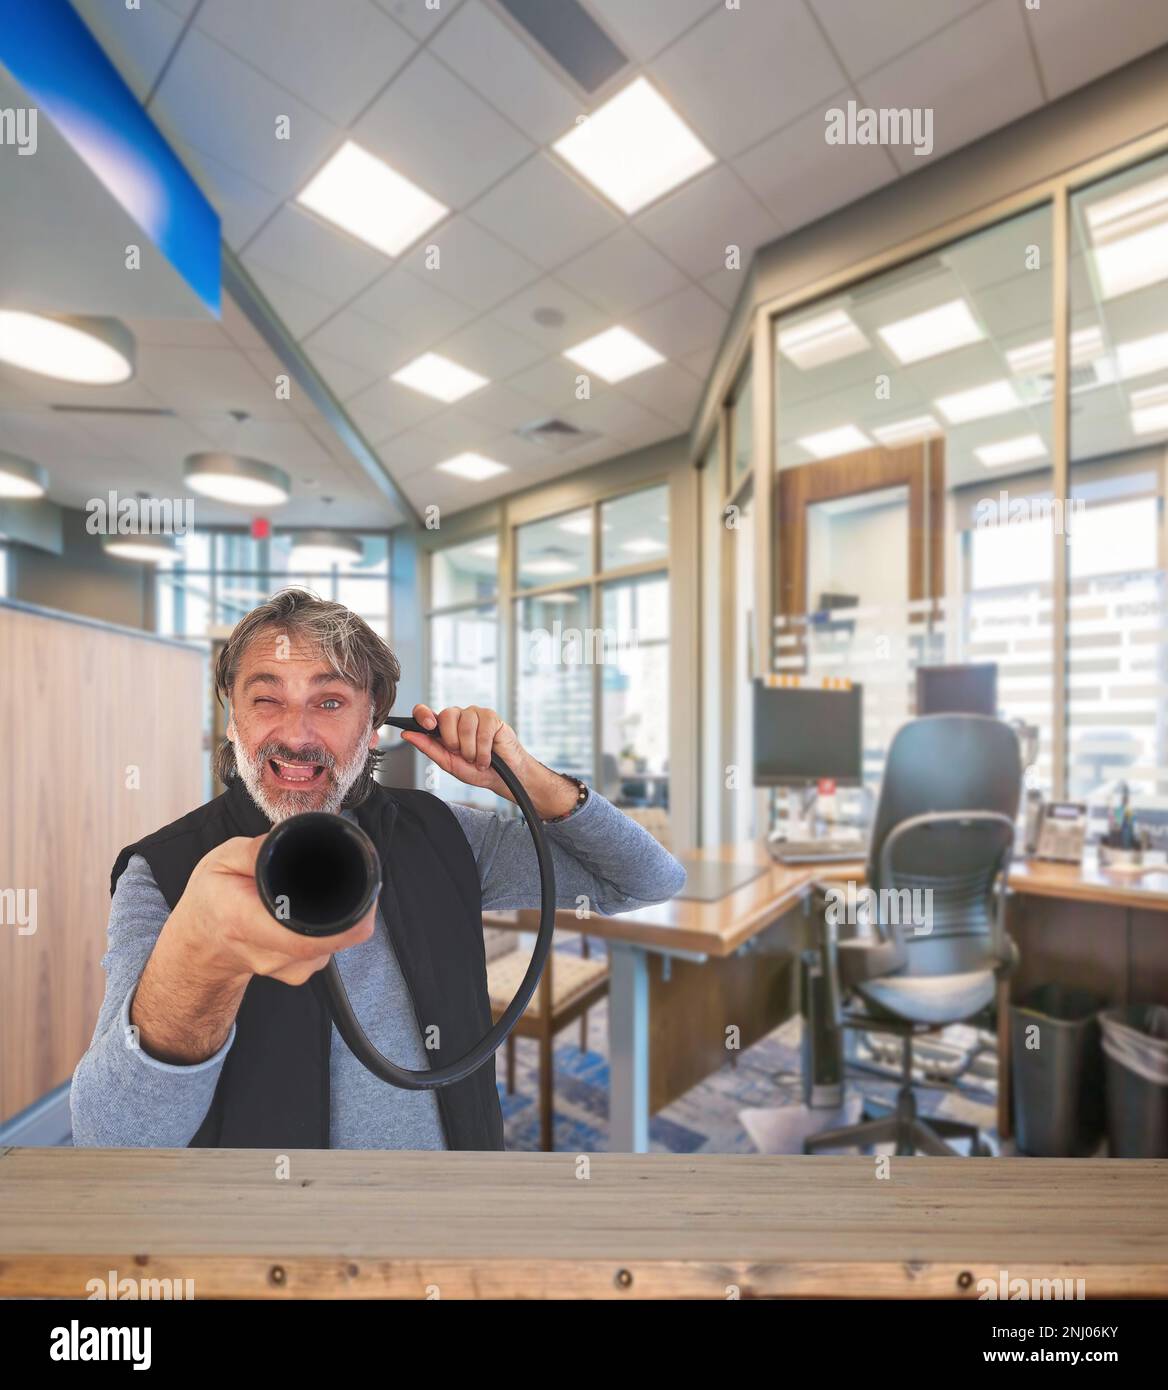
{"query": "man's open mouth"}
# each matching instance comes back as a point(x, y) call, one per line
point(296, 774)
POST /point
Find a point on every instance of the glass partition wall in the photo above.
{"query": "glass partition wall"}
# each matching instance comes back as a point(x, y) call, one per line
point(1117, 653)
point(970, 468)
point(590, 600)
point(913, 445)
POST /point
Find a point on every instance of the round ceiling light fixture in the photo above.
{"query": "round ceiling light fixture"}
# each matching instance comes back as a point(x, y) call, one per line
point(234, 478)
point(322, 549)
point(67, 347)
point(21, 478)
point(145, 548)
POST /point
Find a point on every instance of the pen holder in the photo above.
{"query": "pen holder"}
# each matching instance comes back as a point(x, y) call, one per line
point(1112, 858)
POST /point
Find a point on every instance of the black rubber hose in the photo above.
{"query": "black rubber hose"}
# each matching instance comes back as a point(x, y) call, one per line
point(349, 1025)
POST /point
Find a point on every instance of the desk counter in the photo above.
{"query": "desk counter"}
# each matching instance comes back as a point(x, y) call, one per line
point(351, 1224)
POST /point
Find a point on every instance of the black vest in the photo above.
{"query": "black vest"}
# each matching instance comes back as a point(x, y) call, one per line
point(273, 1091)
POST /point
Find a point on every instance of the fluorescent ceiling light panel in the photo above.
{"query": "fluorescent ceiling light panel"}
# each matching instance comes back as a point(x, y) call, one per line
point(634, 148)
point(472, 466)
point(1018, 450)
point(846, 439)
point(1150, 419)
point(643, 545)
point(489, 550)
point(1037, 359)
point(89, 351)
point(578, 526)
point(904, 431)
point(614, 355)
point(1129, 233)
point(994, 398)
point(1142, 355)
point(439, 377)
point(938, 330)
point(826, 338)
point(1149, 413)
point(361, 194)
point(548, 567)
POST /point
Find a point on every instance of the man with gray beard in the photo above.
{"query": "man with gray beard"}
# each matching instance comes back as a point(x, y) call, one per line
point(214, 1030)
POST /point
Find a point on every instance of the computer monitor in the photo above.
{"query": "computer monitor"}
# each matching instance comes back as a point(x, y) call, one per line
point(970, 689)
point(802, 734)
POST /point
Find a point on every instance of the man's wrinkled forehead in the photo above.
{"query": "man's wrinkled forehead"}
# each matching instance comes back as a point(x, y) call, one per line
point(276, 656)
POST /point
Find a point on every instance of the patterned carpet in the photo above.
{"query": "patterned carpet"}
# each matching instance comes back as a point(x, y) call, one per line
point(710, 1117)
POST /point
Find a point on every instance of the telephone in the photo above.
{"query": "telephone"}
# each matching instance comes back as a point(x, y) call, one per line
point(1061, 831)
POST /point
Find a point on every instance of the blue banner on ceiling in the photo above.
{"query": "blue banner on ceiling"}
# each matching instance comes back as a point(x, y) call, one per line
point(48, 50)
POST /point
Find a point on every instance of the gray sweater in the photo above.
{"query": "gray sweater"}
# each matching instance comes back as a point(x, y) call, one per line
point(122, 1097)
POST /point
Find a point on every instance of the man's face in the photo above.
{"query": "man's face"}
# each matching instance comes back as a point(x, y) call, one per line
point(302, 735)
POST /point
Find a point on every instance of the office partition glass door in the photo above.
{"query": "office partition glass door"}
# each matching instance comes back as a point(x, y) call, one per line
point(913, 446)
point(1117, 647)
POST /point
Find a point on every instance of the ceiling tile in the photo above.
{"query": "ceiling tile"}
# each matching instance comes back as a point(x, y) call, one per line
point(611, 412)
point(726, 285)
point(680, 324)
point(472, 265)
point(421, 17)
point(323, 259)
point(578, 318)
point(342, 378)
point(800, 177)
point(1079, 40)
point(866, 36)
point(243, 206)
point(334, 57)
point(951, 74)
point(700, 362)
point(411, 452)
point(456, 430)
point(551, 383)
point(502, 407)
point(210, 93)
point(300, 309)
point(413, 307)
point(221, 379)
point(137, 42)
point(488, 55)
point(354, 338)
point(668, 390)
point(430, 126)
point(545, 214)
point(741, 73)
point(643, 28)
point(622, 273)
point(490, 349)
point(386, 408)
point(696, 225)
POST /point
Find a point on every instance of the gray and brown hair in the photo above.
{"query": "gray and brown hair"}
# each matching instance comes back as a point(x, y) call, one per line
point(338, 636)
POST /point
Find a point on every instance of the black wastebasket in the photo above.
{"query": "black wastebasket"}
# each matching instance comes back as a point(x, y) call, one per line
point(1135, 1045)
point(1057, 1072)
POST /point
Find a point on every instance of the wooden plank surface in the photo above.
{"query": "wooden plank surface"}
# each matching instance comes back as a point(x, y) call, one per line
point(390, 1224)
point(101, 737)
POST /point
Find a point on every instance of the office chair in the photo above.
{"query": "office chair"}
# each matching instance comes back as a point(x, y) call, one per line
point(943, 835)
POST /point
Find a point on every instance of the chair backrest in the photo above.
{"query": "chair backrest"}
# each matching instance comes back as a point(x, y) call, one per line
point(942, 839)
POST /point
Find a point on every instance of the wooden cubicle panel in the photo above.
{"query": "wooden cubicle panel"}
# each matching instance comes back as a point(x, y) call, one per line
point(919, 467)
point(82, 705)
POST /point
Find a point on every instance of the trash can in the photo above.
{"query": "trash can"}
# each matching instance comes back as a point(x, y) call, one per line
point(1057, 1072)
point(1135, 1045)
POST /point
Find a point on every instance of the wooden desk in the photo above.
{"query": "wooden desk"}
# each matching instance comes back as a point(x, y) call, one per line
point(1076, 924)
point(352, 1224)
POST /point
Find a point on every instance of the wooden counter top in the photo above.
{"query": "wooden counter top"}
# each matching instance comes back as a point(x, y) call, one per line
point(391, 1224)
